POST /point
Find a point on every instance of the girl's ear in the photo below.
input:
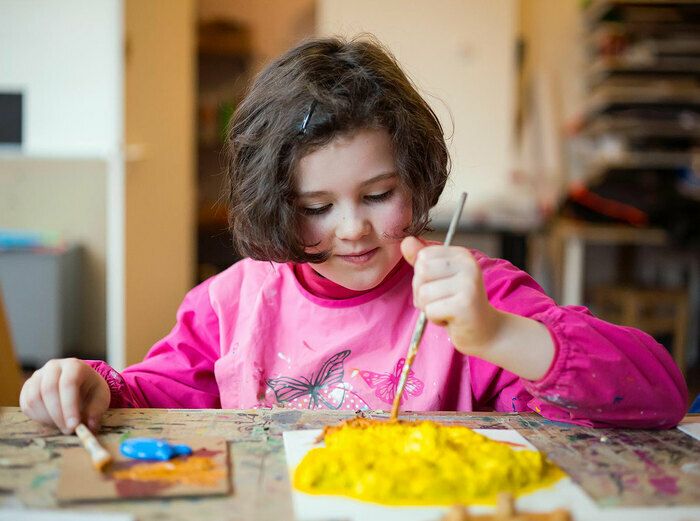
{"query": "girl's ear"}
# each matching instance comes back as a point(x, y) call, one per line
point(410, 247)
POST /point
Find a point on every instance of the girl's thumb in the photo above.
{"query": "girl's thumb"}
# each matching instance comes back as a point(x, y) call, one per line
point(410, 247)
point(96, 403)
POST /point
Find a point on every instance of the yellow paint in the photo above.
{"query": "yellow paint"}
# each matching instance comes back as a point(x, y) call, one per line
point(419, 463)
point(195, 470)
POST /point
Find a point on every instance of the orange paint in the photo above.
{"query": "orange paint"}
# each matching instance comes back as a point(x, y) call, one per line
point(195, 470)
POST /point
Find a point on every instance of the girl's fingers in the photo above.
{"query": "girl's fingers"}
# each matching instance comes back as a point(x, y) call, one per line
point(438, 262)
point(69, 384)
point(58, 391)
point(31, 403)
point(95, 396)
point(443, 311)
point(410, 247)
point(96, 403)
point(440, 289)
point(50, 393)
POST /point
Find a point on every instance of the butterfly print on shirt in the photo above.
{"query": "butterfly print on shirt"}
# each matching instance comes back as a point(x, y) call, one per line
point(385, 384)
point(324, 389)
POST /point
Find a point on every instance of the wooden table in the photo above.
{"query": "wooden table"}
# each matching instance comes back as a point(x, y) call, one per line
point(615, 467)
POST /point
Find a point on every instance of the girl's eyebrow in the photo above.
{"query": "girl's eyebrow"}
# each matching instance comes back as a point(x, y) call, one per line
point(376, 178)
point(379, 177)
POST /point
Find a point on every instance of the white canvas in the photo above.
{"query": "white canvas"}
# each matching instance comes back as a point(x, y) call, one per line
point(565, 493)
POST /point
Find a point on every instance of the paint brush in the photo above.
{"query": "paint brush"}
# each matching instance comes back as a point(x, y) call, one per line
point(98, 454)
point(420, 323)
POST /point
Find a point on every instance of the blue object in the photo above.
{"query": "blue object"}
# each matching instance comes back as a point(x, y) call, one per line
point(152, 449)
point(695, 408)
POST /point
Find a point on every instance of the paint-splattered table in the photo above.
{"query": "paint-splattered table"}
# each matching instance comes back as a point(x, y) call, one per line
point(615, 467)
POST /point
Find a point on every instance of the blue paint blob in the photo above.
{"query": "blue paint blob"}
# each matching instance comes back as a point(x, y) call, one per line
point(152, 449)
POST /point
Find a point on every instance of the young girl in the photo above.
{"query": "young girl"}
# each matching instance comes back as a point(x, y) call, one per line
point(334, 161)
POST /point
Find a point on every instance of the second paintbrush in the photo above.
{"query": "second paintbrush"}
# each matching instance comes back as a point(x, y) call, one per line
point(420, 323)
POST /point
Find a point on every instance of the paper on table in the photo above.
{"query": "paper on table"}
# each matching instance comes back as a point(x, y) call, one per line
point(563, 494)
point(309, 507)
point(691, 429)
point(62, 515)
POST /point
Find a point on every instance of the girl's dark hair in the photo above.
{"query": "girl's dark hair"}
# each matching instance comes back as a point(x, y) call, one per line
point(315, 92)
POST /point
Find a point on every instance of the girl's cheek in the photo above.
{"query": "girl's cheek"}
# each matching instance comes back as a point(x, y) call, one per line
point(313, 234)
point(398, 217)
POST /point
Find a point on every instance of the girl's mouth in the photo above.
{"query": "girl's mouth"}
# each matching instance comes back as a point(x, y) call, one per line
point(360, 258)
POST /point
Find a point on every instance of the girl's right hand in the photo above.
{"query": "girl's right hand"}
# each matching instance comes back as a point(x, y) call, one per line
point(64, 393)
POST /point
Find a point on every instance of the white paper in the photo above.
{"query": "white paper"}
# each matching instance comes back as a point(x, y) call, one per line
point(691, 429)
point(61, 515)
point(565, 494)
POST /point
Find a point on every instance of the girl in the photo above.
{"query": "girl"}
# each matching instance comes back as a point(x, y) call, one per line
point(334, 161)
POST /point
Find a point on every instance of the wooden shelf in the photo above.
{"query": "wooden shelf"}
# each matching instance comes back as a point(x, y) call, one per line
point(608, 96)
point(225, 53)
point(658, 69)
point(633, 127)
point(665, 10)
point(639, 161)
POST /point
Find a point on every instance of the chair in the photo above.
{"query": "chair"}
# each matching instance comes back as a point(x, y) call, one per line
point(656, 311)
point(10, 374)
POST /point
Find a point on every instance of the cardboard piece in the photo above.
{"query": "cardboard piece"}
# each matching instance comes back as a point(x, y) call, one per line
point(79, 481)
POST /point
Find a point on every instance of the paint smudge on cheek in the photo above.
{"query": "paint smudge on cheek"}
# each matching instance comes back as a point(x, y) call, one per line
point(316, 234)
point(397, 217)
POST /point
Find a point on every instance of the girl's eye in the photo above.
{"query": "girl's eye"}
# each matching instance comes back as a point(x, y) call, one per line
point(379, 197)
point(318, 210)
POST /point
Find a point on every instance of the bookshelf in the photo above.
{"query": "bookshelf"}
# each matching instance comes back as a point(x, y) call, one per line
point(224, 57)
point(643, 75)
point(641, 128)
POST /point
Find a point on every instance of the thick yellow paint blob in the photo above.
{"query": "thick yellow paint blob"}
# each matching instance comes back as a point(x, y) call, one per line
point(194, 470)
point(419, 463)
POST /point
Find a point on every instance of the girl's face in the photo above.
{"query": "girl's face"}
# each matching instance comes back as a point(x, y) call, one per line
point(354, 206)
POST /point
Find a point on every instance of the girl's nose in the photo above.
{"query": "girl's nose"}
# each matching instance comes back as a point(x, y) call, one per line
point(352, 226)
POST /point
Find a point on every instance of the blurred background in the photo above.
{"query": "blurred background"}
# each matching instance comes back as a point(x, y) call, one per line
point(574, 126)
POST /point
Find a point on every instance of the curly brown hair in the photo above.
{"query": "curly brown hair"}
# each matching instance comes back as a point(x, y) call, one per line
point(323, 88)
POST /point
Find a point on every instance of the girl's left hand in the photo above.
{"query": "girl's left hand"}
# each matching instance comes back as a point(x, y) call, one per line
point(448, 287)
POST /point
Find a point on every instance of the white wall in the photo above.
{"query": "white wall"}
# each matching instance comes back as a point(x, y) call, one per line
point(461, 55)
point(553, 92)
point(67, 58)
point(38, 194)
point(62, 55)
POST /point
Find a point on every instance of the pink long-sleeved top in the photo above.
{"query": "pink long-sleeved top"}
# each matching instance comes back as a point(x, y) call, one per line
point(256, 336)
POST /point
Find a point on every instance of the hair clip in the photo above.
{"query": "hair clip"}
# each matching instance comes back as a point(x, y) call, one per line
point(309, 113)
